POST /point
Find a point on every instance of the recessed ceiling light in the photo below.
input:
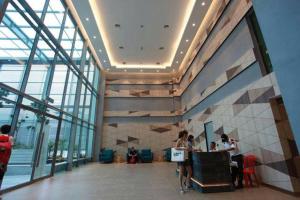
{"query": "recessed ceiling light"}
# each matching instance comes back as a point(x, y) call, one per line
point(176, 61)
point(166, 26)
point(117, 25)
point(193, 24)
point(87, 19)
point(186, 40)
point(94, 37)
point(181, 52)
point(203, 3)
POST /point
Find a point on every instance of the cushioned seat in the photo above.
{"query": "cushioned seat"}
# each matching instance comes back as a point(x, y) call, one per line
point(167, 155)
point(146, 155)
point(106, 156)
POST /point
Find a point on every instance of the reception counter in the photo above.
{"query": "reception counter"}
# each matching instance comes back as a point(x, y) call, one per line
point(211, 172)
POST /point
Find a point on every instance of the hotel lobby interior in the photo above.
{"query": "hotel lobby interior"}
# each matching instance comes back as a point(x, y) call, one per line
point(98, 95)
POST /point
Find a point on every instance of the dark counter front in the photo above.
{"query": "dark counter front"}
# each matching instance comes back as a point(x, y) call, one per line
point(211, 172)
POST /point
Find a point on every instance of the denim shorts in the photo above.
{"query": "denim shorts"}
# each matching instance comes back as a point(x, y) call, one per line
point(184, 163)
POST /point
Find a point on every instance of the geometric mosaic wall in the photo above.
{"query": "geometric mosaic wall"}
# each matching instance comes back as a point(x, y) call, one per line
point(220, 30)
point(157, 136)
point(247, 116)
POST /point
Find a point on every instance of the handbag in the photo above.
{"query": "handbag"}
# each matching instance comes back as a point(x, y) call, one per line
point(177, 155)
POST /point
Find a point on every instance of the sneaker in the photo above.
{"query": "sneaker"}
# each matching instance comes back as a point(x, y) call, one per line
point(188, 188)
point(182, 191)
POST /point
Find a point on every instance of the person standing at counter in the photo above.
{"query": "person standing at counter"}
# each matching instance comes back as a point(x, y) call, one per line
point(181, 144)
point(232, 148)
point(191, 148)
point(191, 144)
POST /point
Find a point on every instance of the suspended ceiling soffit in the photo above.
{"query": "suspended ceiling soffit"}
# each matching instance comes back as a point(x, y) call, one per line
point(142, 24)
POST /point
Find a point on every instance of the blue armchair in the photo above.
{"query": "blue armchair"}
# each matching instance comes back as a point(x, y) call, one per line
point(146, 155)
point(106, 156)
point(167, 155)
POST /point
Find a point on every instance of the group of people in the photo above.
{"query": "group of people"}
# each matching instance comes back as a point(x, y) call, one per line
point(186, 142)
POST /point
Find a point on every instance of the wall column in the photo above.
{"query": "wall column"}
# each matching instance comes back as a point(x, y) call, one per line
point(280, 25)
point(99, 120)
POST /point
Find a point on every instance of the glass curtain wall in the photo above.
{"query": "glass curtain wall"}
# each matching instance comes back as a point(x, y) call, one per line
point(43, 61)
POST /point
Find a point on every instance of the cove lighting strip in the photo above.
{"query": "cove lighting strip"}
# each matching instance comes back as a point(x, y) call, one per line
point(99, 21)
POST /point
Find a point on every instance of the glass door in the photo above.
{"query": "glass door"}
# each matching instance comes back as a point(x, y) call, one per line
point(21, 162)
point(45, 149)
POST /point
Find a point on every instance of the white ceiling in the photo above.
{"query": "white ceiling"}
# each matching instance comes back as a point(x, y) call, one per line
point(141, 32)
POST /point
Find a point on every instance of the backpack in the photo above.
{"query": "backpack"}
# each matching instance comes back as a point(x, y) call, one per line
point(5, 151)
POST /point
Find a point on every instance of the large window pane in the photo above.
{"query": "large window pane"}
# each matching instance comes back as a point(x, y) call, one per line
point(37, 6)
point(77, 140)
point(90, 143)
point(81, 103)
point(86, 66)
point(87, 105)
point(92, 71)
point(71, 91)
point(93, 110)
point(58, 84)
point(64, 139)
point(83, 141)
point(15, 48)
point(54, 17)
point(6, 107)
point(68, 35)
point(37, 79)
point(96, 79)
point(78, 49)
point(40, 70)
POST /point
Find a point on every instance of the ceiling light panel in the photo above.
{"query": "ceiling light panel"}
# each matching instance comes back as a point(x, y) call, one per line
point(118, 26)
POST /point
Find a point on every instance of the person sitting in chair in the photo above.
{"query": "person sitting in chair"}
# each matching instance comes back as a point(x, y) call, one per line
point(213, 147)
point(132, 156)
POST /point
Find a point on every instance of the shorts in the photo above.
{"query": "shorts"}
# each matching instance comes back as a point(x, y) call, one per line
point(2, 172)
point(184, 163)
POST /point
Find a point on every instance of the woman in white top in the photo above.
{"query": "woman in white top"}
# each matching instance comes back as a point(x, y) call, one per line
point(181, 144)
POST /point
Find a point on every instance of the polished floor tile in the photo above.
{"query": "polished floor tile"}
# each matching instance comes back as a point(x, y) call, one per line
point(154, 181)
